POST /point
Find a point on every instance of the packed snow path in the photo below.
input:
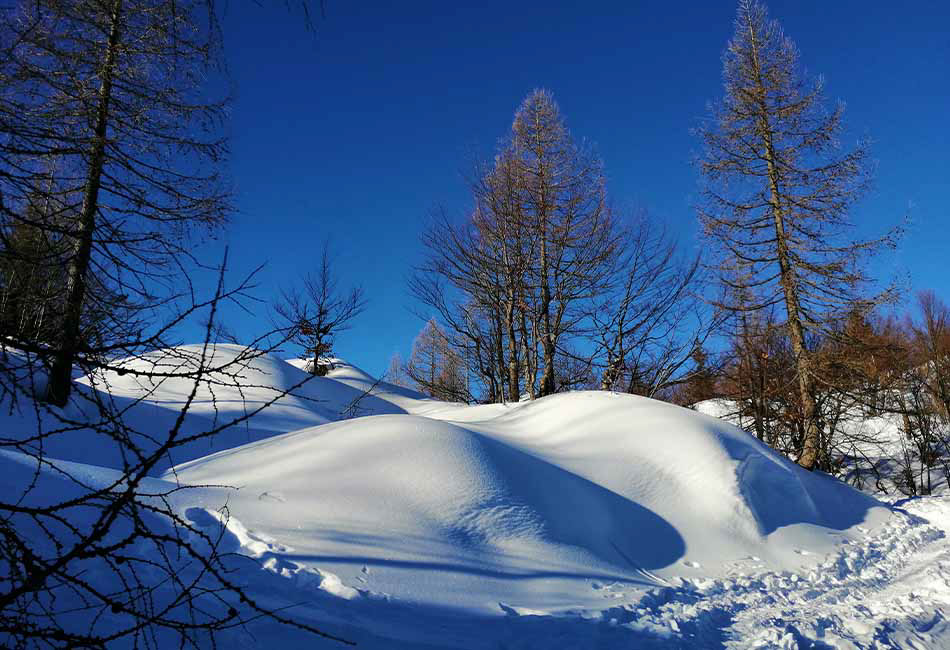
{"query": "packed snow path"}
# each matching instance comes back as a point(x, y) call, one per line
point(888, 590)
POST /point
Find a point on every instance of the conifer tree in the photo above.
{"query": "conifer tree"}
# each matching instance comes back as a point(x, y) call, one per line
point(563, 190)
point(779, 189)
point(436, 367)
point(107, 120)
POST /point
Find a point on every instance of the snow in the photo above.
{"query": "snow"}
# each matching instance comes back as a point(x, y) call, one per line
point(262, 393)
point(582, 520)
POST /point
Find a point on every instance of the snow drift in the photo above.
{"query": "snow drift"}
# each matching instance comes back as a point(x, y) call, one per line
point(531, 503)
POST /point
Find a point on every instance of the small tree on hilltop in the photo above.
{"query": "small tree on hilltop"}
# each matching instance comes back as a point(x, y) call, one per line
point(315, 314)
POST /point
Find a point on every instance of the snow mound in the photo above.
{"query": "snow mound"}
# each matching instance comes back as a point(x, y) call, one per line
point(244, 395)
point(240, 381)
point(530, 504)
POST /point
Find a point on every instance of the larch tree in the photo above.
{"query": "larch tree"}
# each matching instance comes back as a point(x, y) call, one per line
point(436, 367)
point(540, 283)
point(396, 371)
point(564, 203)
point(111, 138)
point(516, 280)
point(506, 245)
point(778, 191)
point(109, 154)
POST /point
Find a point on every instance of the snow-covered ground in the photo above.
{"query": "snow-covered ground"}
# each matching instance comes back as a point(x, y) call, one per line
point(582, 520)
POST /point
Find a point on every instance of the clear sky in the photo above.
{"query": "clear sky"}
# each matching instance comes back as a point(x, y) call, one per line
point(357, 131)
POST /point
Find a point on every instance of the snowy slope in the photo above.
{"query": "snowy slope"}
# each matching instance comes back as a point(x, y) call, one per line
point(582, 520)
point(241, 382)
point(888, 587)
point(530, 507)
point(252, 380)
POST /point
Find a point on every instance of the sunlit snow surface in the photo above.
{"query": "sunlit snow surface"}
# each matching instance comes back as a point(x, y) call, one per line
point(582, 520)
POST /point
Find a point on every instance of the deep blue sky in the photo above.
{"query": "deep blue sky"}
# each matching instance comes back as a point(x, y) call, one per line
point(356, 131)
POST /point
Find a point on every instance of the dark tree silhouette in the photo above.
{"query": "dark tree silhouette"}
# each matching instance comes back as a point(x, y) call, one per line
point(314, 315)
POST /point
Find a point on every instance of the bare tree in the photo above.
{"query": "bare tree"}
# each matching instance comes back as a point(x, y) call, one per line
point(916, 391)
point(314, 315)
point(932, 340)
point(93, 559)
point(396, 371)
point(110, 141)
point(109, 158)
point(32, 283)
point(650, 317)
point(515, 282)
point(778, 193)
point(507, 249)
point(564, 203)
point(436, 367)
point(459, 280)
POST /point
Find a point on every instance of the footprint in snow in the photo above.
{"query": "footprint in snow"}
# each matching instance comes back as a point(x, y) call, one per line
point(365, 572)
point(271, 543)
point(511, 610)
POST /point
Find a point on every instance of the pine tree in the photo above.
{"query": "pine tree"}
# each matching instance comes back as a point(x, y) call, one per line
point(778, 192)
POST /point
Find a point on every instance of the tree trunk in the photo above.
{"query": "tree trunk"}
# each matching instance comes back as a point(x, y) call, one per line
point(60, 378)
point(811, 443)
point(514, 370)
point(529, 357)
point(547, 386)
point(499, 348)
point(611, 371)
point(796, 331)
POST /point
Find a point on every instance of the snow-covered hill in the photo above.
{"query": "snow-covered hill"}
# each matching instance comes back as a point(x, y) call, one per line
point(588, 520)
point(527, 507)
